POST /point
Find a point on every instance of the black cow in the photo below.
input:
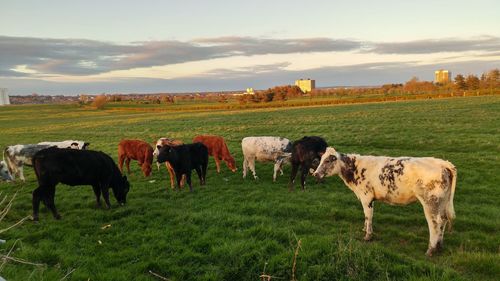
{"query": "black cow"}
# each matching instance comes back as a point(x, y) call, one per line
point(76, 167)
point(306, 153)
point(184, 158)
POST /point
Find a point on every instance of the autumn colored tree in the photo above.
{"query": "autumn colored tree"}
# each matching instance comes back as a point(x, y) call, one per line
point(472, 82)
point(460, 82)
point(99, 102)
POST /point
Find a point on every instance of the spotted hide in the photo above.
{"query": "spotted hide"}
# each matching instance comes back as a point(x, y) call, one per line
point(16, 156)
point(400, 181)
point(265, 149)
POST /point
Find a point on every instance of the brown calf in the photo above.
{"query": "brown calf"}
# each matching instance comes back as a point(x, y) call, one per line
point(218, 149)
point(136, 150)
point(170, 142)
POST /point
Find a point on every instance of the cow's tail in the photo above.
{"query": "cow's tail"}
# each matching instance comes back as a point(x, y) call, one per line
point(450, 209)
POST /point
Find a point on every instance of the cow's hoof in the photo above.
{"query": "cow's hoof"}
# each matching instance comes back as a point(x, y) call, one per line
point(57, 217)
point(35, 219)
point(368, 237)
point(430, 252)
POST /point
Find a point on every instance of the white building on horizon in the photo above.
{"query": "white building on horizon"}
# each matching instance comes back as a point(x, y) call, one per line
point(4, 97)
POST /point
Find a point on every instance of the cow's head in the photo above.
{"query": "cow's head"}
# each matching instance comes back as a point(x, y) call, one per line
point(166, 153)
point(4, 172)
point(120, 189)
point(231, 164)
point(329, 164)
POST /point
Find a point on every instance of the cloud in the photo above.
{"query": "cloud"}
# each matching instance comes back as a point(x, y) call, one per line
point(485, 43)
point(85, 57)
point(352, 75)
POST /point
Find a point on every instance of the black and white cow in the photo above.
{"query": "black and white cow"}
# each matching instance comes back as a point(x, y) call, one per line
point(184, 158)
point(16, 156)
point(306, 153)
point(4, 172)
point(265, 149)
point(400, 181)
point(74, 144)
point(76, 167)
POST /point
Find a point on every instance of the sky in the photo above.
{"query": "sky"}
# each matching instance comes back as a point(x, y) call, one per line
point(75, 47)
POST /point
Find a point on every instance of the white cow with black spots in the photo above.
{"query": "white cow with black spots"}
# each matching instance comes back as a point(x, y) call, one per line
point(265, 149)
point(399, 181)
point(16, 156)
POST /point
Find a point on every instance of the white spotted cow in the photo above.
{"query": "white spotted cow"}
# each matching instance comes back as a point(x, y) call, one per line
point(74, 144)
point(265, 149)
point(4, 172)
point(399, 181)
point(16, 156)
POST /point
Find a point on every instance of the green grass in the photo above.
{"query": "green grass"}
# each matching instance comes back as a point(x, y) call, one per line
point(232, 228)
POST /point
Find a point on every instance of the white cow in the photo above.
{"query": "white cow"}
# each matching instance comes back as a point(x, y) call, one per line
point(75, 144)
point(265, 149)
point(399, 181)
point(4, 172)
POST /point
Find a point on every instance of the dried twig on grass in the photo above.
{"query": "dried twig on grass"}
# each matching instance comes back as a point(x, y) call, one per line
point(299, 243)
point(16, 224)
point(158, 276)
point(65, 276)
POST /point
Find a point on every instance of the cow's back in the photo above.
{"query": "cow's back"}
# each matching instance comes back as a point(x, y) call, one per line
point(74, 167)
point(265, 148)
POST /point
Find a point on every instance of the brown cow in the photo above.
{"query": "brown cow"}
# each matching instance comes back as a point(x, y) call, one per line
point(218, 149)
point(138, 150)
point(170, 142)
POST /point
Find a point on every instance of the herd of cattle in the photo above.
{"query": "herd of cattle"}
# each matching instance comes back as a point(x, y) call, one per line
point(401, 180)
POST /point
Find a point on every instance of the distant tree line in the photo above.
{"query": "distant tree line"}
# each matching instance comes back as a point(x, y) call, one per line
point(278, 93)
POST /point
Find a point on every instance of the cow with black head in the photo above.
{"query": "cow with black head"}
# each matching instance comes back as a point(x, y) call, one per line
point(76, 167)
point(306, 154)
point(184, 158)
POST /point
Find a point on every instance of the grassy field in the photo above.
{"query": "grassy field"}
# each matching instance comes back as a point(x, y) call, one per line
point(233, 228)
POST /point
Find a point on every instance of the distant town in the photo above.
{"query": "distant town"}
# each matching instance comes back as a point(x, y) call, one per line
point(442, 83)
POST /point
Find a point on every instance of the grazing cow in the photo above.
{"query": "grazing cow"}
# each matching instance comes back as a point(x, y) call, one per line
point(218, 149)
point(306, 153)
point(400, 181)
point(4, 172)
point(16, 156)
point(184, 158)
point(137, 150)
point(265, 149)
point(74, 144)
point(170, 142)
point(76, 167)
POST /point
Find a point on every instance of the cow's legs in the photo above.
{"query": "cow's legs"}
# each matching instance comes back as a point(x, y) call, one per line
point(105, 195)
point(217, 163)
point(127, 162)
point(48, 199)
point(368, 210)
point(97, 192)
point(251, 165)
point(277, 166)
point(293, 174)
point(37, 196)
point(303, 175)
point(20, 170)
point(121, 158)
point(204, 172)
point(188, 180)
point(200, 175)
point(172, 175)
point(436, 225)
point(245, 167)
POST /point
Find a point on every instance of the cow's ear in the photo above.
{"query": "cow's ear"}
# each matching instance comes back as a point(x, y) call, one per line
point(85, 145)
point(158, 146)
